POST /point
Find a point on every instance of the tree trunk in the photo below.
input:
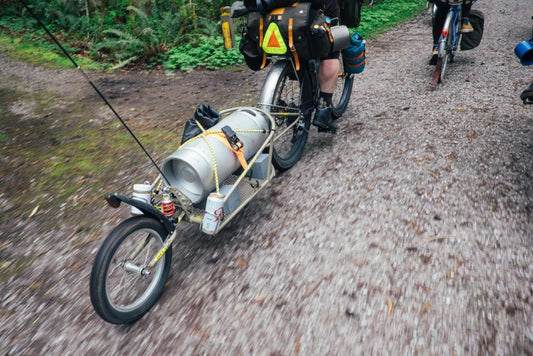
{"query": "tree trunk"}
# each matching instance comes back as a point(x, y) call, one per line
point(87, 8)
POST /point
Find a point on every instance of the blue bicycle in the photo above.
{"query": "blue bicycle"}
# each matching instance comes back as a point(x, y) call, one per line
point(449, 40)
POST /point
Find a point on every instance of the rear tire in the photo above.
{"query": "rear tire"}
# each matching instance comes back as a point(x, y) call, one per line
point(281, 97)
point(446, 52)
point(342, 93)
point(442, 61)
point(119, 294)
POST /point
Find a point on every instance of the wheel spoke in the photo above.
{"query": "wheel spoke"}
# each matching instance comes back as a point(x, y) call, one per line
point(140, 247)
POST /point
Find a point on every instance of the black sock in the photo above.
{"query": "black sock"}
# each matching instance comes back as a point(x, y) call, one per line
point(327, 97)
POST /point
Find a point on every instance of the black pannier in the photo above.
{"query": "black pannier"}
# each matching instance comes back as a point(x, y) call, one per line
point(351, 12)
point(471, 40)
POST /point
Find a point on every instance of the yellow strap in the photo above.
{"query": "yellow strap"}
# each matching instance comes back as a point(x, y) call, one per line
point(291, 45)
point(239, 153)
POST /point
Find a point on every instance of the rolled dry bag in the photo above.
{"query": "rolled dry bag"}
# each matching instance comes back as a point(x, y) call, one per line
point(353, 57)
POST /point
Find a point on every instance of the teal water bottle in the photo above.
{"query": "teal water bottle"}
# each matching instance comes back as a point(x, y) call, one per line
point(354, 56)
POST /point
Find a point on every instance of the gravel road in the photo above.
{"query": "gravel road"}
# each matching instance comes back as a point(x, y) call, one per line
point(409, 232)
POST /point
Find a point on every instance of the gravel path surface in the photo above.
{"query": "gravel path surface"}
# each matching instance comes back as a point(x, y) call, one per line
point(409, 232)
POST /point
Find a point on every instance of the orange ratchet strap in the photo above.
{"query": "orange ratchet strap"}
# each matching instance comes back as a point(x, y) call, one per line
point(230, 139)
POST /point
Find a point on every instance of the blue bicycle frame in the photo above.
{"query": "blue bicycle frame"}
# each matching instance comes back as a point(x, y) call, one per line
point(449, 39)
point(451, 22)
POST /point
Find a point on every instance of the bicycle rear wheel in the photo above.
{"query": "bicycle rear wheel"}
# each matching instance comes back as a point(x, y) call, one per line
point(342, 93)
point(442, 61)
point(446, 49)
point(282, 97)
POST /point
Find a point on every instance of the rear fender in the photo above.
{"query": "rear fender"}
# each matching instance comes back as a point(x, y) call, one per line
point(114, 201)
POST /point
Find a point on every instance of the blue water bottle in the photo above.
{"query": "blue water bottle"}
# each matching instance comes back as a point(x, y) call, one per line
point(354, 56)
point(524, 52)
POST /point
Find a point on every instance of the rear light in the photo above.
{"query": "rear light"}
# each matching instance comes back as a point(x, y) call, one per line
point(112, 200)
point(444, 32)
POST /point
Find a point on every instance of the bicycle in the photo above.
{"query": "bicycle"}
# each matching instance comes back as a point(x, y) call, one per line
point(291, 96)
point(132, 265)
point(449, 40)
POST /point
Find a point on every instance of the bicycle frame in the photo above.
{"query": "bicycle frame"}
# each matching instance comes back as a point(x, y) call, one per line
point(448, 48)
point(453, 16)
point(308, 79)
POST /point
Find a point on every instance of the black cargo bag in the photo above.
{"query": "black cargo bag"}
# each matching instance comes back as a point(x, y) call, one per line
point(305, 33)
point(264, 6)
point(471, 40)
point(250, 48)
point(204, 115)
point(351, 12)
point(293, 23)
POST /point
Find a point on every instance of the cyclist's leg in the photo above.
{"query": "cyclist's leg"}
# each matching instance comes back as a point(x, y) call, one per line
point(329, 69)
point(467, 6)
point(328, 73)
point(440, 17)
point(465, 20)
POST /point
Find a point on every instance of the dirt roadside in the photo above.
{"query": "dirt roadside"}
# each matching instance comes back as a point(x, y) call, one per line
point(409, 232)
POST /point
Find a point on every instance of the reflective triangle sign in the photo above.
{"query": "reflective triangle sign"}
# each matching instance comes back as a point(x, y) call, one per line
point(273, 42)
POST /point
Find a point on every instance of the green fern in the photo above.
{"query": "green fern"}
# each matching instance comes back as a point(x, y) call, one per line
point(142, 17)
point(124, 63)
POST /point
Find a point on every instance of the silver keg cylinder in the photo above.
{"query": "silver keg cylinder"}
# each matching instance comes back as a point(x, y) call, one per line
point(191, 168)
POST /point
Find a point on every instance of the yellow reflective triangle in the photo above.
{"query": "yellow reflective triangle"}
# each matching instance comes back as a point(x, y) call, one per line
point(273, 42)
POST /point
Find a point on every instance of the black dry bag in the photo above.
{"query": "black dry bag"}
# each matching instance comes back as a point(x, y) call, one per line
point(351, 12)
point(206, 116)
